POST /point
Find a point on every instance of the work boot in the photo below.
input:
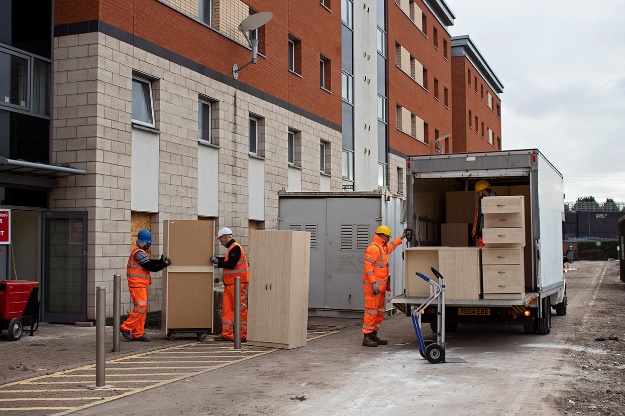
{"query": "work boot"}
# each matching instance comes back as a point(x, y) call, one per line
point(222, 338)
point(367, 341)
point(127, 335)
point(142, 338)
point(374, 336)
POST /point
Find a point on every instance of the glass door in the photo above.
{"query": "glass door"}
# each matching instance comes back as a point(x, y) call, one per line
point(65, 269)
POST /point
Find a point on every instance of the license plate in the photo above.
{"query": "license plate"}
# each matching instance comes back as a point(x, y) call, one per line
point(474, 311)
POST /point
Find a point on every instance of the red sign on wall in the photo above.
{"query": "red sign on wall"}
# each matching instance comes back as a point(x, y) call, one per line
point(5, 226)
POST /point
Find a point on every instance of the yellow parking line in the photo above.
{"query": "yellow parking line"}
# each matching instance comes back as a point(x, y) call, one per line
point(44, 399)
point(30, 409)
point(62, 390)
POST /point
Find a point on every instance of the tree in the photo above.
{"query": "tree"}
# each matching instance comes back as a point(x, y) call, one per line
point(610, 205)
point(586, 203)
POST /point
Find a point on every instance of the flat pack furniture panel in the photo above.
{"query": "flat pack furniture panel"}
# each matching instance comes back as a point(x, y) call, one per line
point(510, 220)
point(460, 266)
point(278, 288)
point(188, 282)
point(460, 206)
point(502, 204)
point(503, 237)
point(527, 251)
point(502, 273)
point(456, 234)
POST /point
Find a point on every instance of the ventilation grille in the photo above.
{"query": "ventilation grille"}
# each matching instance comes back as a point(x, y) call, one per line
point(311, 228)
point(354, 237)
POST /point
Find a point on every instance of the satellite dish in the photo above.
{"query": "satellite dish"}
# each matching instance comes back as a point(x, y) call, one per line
point(254, 21)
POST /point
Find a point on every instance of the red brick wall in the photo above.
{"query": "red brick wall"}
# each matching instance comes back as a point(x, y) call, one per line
point(465, 138)
point(318, 29)
point(406, 92)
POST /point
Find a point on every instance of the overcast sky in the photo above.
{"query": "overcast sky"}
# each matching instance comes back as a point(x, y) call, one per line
point(562, 64)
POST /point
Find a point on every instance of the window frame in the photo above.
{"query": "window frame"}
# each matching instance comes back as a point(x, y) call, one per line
point(325, 73)
point(256, 120)
point(349, 85)
point(201, 103)
point(347, 12)
point(202, 12)
point(294, 55)
point(143, 80)
point(294, 147)
point(324, 146)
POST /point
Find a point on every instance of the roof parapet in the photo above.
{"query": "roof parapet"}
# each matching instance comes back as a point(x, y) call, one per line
point(464, 46)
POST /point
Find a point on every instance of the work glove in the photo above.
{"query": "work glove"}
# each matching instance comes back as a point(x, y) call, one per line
point(406, 233)
point(375, 288)
point(166, 262)
point(214, 260)
point(388, 284)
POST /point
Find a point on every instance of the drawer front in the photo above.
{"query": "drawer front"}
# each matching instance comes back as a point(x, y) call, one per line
point(499, 296)
point(509, 236)
point(502, 256)
point(509, 220)
point(502, 204)
point(503, 278)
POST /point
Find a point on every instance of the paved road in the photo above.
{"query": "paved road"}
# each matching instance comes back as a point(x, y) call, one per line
point(505, 372)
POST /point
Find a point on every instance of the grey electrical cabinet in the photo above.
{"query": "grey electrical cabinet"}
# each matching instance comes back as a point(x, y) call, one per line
point(341, 226)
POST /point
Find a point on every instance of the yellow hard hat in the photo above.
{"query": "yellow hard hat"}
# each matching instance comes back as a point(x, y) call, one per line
point(481, 185)
point(383, 229)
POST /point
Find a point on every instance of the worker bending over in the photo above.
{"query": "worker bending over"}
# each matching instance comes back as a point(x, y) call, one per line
point(482, 188)
point(234, 264)
point(376, 283)
point(138, 273)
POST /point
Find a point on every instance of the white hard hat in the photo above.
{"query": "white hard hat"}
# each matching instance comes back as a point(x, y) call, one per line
point(224, 231)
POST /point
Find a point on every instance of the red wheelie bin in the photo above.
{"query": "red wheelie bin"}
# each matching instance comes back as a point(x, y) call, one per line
point(19, 307)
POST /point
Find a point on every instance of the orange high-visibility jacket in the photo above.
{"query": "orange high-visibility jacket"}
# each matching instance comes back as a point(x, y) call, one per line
point(242, 269)
point(376, 260)
point(137, 275)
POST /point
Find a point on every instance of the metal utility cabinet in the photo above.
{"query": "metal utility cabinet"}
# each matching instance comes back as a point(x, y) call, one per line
point(341, 225)
point(441, 205)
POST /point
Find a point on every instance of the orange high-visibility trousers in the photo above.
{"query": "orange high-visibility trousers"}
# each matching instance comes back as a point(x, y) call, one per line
point(136, 319)
point(374, 309)
point(227, 312)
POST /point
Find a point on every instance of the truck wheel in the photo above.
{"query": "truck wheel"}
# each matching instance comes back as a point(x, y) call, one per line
point(15, 329)
point(543, 325)
point(561, 307)
point(171, 335)
point(528, 327)
point(201, 336)
point(434, 353)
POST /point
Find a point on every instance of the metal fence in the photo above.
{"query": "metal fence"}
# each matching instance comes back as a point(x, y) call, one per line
point(595, 206)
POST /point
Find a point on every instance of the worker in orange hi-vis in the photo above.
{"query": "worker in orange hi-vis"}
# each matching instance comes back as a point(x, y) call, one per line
point(376, 282)
point(482, 188)
point(138, 273)
point(234, 264)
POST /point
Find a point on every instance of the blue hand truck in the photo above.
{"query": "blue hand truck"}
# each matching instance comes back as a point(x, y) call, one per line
point(433, 351)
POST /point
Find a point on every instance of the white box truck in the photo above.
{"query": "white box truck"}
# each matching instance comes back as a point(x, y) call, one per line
point(441, 202)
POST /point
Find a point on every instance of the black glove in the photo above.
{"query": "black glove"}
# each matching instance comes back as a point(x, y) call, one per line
point(166, 262)
point(375, 288)
point(214, 260)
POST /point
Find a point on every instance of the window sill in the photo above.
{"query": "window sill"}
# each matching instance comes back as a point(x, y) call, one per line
point(255, 156)
point(208, 144)
point(146, 128)
point(295, 73)
point(326, 7)
point(326, 90)
point(294, 166)
point(325, 174)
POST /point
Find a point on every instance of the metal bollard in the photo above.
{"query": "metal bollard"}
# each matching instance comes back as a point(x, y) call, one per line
point(117, 294)
point(237, 313)
point(100, 338)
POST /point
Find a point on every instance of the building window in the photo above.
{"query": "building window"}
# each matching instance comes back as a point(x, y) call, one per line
point(490, 135)
point(381, 40)
point(425, 78)
point(445, 48)
point(325, 73)
point(400, 181)
point(424, 23)
point(205, 11)
point(382, 175)
point(324, 157)
point(435, 36)
point(347, 13)
point(469, 77)
point(482, 91)
point(205, 121)
point(327, 4)
point(348, 165)
point(436, 88)
point(14, 80)
point(382, 108)
point(470, 119)
point(348, 87)
point(446, 96)
point(482, 129)
point(498, 111)
point(142, 102)
point(489, 100)
point(476, 124)
point(426, 133)
point(295, 55)
point(475, 83)
point(294, 147)
point(256, 145)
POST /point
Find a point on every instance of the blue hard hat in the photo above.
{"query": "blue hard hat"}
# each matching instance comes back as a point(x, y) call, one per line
point(145, 235)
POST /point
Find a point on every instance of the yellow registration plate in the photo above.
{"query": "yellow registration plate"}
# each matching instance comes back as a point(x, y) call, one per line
point(474, 311)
